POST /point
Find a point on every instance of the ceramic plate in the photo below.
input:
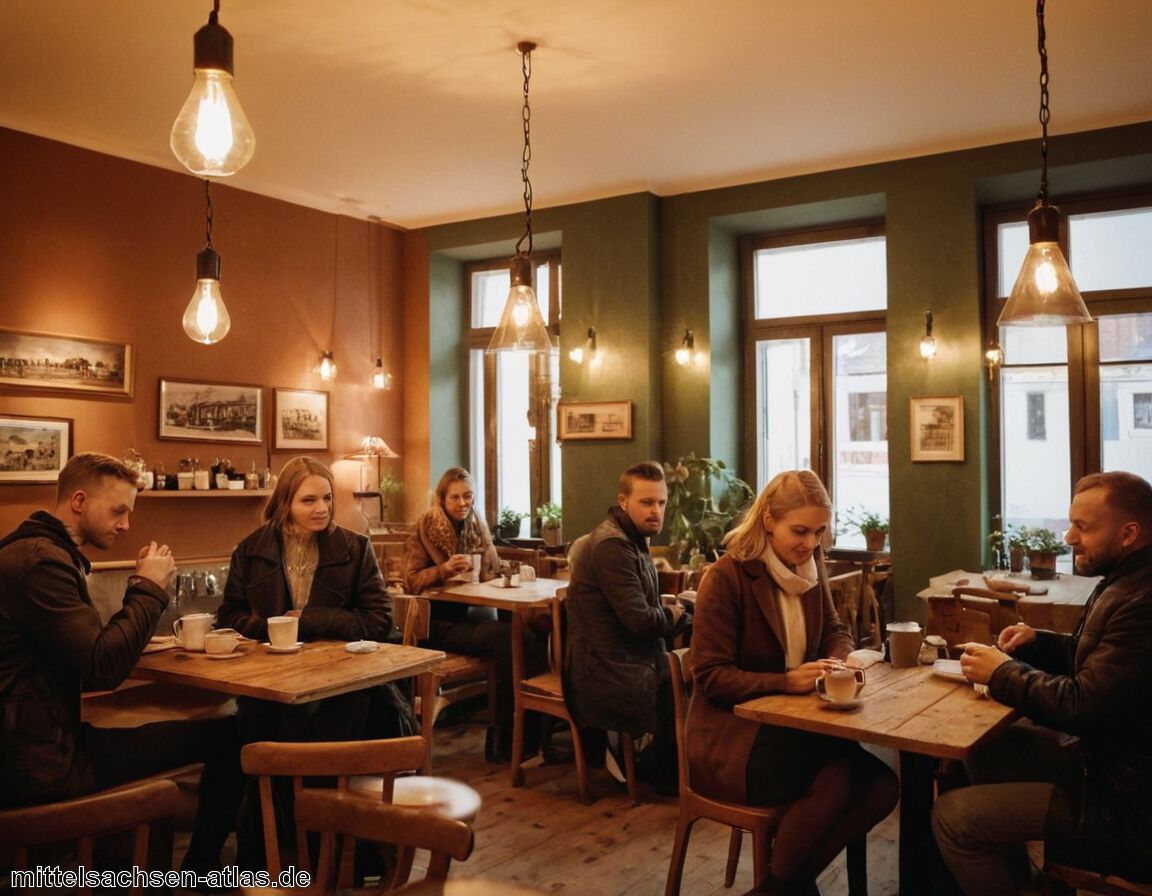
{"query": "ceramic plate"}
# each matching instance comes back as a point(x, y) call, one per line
point(290, 649)
point(224, 656)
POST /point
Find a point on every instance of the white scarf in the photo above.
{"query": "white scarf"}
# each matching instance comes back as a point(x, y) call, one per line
point(792, 585)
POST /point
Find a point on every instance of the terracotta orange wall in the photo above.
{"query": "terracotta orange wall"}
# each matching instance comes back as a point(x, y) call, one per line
point(105, 248)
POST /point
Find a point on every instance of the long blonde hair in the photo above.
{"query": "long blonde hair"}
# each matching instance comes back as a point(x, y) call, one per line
point(786, 492)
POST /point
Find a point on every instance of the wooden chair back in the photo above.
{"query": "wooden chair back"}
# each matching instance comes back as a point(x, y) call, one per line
point(339, 759)
point(520, 556)
point(847, 588)
point(84, 819)
point(672, 581)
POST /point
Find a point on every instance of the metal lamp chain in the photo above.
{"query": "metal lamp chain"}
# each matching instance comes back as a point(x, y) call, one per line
point(207, 214)
point(526, 65)
point(1044, 113)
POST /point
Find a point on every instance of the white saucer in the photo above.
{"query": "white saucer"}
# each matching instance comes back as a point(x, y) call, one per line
point(223, 656)
point(829, 703)
point(290, 649)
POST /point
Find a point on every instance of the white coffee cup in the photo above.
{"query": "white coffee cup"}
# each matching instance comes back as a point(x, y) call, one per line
point(474, 569)
point(527, 573)
point(904, 639)
point(841, 685)
point(191, 629)
point(282, 630)
point(221, 640)
point(668, 600)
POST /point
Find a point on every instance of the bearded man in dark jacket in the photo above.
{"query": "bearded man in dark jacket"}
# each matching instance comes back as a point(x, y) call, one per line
point(1078, 773)
point(53, 646)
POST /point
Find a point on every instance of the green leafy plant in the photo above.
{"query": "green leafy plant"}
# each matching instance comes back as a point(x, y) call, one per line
point(1045, 541)
point(391, 485)
point(1014, 538)
point(705, 499)
point(550, 515)
point(509, 518)
point(862, 520)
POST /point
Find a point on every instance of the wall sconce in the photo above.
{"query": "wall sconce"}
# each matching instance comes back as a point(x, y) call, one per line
point(928, 343)
point(327, 366)
point(687, 350)
point(587, 350)
point(211, 135)
point(993, 358)
point(381, 379)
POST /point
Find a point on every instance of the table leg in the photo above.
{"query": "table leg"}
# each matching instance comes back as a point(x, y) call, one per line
point(917, 845)
point(427, 685)
point(517, 699)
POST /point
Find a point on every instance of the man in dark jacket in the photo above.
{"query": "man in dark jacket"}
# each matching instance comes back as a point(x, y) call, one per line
point(616, 672)
point(53, 646)
point(1078, 774)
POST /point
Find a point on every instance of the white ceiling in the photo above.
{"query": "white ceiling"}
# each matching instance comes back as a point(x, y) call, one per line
point(410, 109)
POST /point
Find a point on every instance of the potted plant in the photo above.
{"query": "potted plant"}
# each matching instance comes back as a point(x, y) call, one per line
point(1044, 546)
point(390, 487)
point(550, 516)
point(872, 526)
point(1011, 545)
point(508, 523)
point(705, 499)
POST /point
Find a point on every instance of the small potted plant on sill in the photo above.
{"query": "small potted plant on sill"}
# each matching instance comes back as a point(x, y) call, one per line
point(1044, 546)
point(1011, 545)
point(550, 516)
point(508, 523)
point(872, 526)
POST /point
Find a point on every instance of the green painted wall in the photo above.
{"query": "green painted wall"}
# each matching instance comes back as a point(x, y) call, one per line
point(642, 269)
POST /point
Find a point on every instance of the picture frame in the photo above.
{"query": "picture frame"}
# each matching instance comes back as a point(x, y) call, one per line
point(33, 449)
point(58, 363)
point(300, 420)
point(937, 427)
point(593, 420)
point(197, 411)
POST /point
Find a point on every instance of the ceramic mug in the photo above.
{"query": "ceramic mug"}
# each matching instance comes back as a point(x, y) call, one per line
point(841, 685)
point(474, 568)
point(282, 630)
point(191, 629)
point(221, 640)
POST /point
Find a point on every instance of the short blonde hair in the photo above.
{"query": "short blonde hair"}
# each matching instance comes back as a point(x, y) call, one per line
point(279, 507)
point(89, 469)
point(786, 492)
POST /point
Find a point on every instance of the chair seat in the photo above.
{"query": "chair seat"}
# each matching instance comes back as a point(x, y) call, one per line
point(444, 796)
point(456, 667)
point(546, 685)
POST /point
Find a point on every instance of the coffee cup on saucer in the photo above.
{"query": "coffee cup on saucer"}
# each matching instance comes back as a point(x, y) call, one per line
point(841, 685)
point(191, 629)
point(221, 640)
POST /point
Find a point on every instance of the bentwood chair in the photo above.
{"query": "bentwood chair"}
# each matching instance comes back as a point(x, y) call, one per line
point(366, 770)
point(82, 820)
point(759, 821)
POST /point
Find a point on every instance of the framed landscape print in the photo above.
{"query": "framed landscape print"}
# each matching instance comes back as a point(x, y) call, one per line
point(594, 420)
point(33, 449)
point(65, 363)
point(937, 427)
point(211, 412)
point(300, 420)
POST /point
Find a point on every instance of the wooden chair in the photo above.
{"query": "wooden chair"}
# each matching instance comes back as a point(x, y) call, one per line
point(545, 694)
point(970, 614)
point(133, 807)
point(1082, 879)
point(759, 821)
point(846, 589)
point(672, 581)
point(459, 677)
point(520, 556)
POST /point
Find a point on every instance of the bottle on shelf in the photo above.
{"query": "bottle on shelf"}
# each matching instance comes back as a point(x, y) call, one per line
point(252, 478)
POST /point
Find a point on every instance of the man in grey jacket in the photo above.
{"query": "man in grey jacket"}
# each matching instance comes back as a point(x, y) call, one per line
point(1077, 773)
point(53, 645)
point(616, 673)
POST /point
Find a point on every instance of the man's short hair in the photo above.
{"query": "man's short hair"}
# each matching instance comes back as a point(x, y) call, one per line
point(648, 470)
point(1128, 494)
point(86, 469)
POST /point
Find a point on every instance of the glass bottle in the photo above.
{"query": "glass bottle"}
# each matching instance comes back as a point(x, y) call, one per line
point(252, 478)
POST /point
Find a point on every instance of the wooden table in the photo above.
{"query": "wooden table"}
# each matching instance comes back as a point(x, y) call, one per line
point(528, 596)
point(319, 669)
point(922, 715)
point(1058, 610)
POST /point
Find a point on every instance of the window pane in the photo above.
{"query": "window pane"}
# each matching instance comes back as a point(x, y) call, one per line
point(1125, 337)
point(821, 278)
point(783, 403)
point(489, 294)
point(1012, 246)
point(1036, 466)
point(860, 427)
point(1034, 345)
point(1110, 249)
point(513, 434)
point(477, 442)
point(1126, 418)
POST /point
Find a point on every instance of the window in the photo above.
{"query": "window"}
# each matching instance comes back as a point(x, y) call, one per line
point(816, 340)
point(1075, 400)
point(515, 458)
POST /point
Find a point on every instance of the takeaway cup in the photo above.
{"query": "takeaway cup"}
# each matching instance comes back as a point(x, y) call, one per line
point(904, 639)
point(191, 629)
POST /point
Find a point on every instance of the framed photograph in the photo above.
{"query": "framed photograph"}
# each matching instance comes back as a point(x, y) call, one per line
point(300, 420)
point(211, 412)
point(594, 420)
point(937, 427)
point(33, 449)
point(65, 363)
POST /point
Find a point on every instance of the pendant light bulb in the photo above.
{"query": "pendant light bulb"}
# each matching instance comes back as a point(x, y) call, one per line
point(206, 318)
point(687, 348)
point(211, 135)
point(381, 379)
point(327, 366)
point(1044, 295)
point(521, 327)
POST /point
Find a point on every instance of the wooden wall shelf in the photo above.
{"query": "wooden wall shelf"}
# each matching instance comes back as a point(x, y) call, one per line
point(210, 493)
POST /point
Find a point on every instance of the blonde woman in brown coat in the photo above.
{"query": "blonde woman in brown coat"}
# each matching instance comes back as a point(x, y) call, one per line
point(765, 624)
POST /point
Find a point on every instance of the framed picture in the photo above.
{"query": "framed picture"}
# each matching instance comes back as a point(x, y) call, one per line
point(65, 363)
point(594, 420)
point(211, 412)
point(33, 449)
point(300, 420)
point(937, 426)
